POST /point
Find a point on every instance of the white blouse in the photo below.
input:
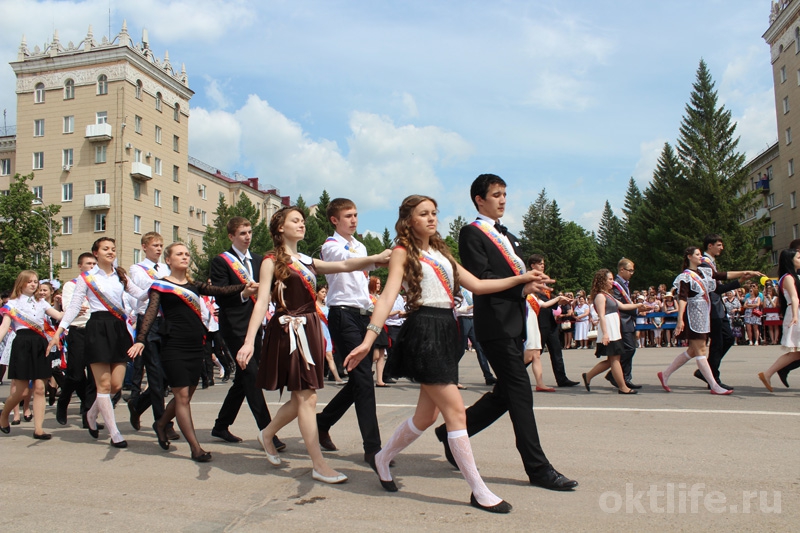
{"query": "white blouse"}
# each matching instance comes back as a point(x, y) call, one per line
point(433, 292)
point(30, 307)
point(109, 285)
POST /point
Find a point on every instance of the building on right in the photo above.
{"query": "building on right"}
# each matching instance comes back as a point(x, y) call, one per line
point(773, 171)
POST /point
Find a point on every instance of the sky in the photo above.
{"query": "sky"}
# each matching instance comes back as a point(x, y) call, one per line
point(375, 100)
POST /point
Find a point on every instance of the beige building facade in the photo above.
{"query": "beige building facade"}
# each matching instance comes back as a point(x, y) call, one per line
point(104, 127)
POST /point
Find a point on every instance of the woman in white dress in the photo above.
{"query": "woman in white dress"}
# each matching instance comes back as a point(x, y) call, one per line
point(533, 337)
point(788, 267)
point(582, 324)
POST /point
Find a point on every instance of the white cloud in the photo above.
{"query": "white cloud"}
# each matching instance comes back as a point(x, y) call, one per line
point(216, 92)
point(215, 138)
point(410, 105)
point(649, 152)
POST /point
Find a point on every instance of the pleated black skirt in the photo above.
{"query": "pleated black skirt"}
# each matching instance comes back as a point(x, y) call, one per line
point(107, 339)
point(428, 347)
point(29, 359)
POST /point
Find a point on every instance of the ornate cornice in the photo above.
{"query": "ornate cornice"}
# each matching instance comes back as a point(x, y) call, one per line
point(782, 16)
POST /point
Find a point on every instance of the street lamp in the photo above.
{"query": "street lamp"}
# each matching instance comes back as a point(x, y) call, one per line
point(49, 232)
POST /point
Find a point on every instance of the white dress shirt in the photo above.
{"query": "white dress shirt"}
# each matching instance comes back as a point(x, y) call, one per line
point(139, 275)
point(66, 297)
point(109, 285)
point(350, 289)
point(30, 307)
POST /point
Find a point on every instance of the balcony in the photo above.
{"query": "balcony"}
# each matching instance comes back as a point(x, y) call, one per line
point(95, 202)
point(98, 132)
point(763, 185)
point(765, 242)
point(140, 171)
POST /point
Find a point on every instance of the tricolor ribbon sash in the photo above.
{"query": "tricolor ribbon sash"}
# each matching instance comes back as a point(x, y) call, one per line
point(150, 272)
point(297, 337)
point(238, 268)
point(700, 281)
point(185, 295)
point(117, 312)
point(533, 302)
point(441, 274)
point(508, 254)
point(623, 292)
point(24, 320)
point(322, 316)
point(306, 276)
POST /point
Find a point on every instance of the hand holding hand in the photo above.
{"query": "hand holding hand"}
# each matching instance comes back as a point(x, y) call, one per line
point(382, 259)
point(251, 289)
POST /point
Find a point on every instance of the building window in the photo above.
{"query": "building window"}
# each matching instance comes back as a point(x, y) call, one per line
point(797, 40)
point(139, 89)
point(204, 219)
point(785, 104)
point(100, 153)
point(38, 127)
point(156, 198)
point(202, 190)
point(5, 167)
point(66, 258)
point(158, 134)
point(66, 158)
point(773, 229)
point(69, 124)
point(788, 135)
point(795, 231)
point(176, 233)
point(137, 224)
point(102, 84)
point(137, 155)
point(137, 255)
point(69, 89)
point(100, 222)
point(137, 124)
point(791, 167)
point(175, 204)
point(771, 200)
point(66, 192)
point(137, 190)
point(176, 143)
point(101, 117)
point(176, 173)
point(176, 113)
point(157, 226)
point(99, 186)
point(783, 73)
point(774, 256)
point(158, 101)
point(66, 225)
point(38, 160)
point(158, 166)
point(37, 192)
point(38, 94)
point(793, 199)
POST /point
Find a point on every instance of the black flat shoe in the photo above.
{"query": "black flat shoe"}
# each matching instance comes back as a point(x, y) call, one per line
point(388, 486)
point(202, 458)
point(42, 436)
point(502, 507)
point(783, 373)
point(225, 435)
point(120, 444)
point(15, 422)
point(632, 391)
point(5, 430)
point(27, 418)
point(163, 442)
point(586, 382)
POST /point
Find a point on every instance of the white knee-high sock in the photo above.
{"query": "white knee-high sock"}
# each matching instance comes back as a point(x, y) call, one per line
point(462, 453)
point(705, 369)
point(405, 434)
point(106, 409)
point(221, 368)
point(679, 361)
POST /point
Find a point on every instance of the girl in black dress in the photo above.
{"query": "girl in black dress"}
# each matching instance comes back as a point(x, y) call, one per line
point(182, 338)
point(429, 343)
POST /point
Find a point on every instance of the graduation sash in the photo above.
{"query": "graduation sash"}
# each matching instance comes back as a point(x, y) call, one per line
point(322, 316)
point(46, 330)
point(441, 274)
point(117, 312)
point(185, 295)
point(700, 281)
point(505, 249)
point(150, 272)
point(306, 276)
point(533, 302)
point(623, 292)
point(239, 269)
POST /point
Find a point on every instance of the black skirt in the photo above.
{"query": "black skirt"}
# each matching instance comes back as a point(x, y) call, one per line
point(614, 348)
point(183, 372)
point(107, 339)
point(428, 347)
point(29, 358)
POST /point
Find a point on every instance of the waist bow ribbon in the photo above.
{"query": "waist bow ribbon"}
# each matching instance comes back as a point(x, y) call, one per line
point(297, 336)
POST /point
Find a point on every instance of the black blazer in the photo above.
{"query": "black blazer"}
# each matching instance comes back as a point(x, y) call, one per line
point(234, 314)
point(627, 318)
point(500, 315)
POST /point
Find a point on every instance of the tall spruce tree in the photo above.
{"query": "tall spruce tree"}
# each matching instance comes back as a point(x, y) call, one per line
point(609, 238)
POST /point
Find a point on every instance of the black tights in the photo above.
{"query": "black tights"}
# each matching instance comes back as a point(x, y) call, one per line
point(180, 407)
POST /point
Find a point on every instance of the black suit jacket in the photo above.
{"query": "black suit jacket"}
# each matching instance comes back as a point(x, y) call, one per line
point(500, 315)
point(234, 314)
point(718, 310)
point(627, 318)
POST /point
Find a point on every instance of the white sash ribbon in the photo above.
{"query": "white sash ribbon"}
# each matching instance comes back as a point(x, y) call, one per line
point(297, 336)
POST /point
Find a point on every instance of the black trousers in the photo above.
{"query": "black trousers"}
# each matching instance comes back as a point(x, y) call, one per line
point(156, 380)
point(244, 386)
point(511, 394)
point(626, 360)
point(78, 377)
point(551, 339)
point(721, 339)
point(467, 325)
point(347, 329)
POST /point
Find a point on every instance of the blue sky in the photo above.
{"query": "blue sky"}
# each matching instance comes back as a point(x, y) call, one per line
point(375, 100)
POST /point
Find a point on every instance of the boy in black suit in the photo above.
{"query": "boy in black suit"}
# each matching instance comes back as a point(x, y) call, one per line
point(488, 251)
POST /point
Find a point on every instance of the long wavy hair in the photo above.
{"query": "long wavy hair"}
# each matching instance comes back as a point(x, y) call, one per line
point(412, 273)
point(599, 282)
point(786, 266)
point(282, 258)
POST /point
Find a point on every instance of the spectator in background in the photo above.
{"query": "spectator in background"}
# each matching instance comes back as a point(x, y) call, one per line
point(772, 315)
point(582, 323)
point(752, 314)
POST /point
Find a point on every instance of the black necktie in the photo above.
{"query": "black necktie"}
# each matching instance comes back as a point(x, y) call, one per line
point(501, 228)
point(155, 267)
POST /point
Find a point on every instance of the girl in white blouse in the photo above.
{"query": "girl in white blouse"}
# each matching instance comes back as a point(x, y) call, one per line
point(108, 331)
point(29, 361)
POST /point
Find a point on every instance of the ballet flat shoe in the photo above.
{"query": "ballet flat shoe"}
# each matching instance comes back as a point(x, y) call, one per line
point(274, 460)
point(6, 429)
point(631, 391)
point(120, 444)
point(164, 443)
point(663, 383)
point(502, 507)
point(724, 393)
point(42, 436)
point(586, 382)
point(545, 389)
point(330, 480)
point(388, 486)
point(764, 380)
point(202, 458)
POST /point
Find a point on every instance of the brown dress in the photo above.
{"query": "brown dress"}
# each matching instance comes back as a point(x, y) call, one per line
point(279, 369)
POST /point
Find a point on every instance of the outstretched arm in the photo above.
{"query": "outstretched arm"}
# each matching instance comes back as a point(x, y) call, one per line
point(352, 264)
point(537, 279)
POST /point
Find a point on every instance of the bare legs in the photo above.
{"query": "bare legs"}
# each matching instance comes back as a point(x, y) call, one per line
point(780, 362)
point(332, 367)
point(612, 361)
point(379, 356)
point(534, 357)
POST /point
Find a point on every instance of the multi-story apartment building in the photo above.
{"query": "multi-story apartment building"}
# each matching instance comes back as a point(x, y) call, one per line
point(104, 128)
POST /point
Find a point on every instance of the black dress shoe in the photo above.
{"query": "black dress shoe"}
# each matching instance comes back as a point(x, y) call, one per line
point(491, 380)
point(553, 480)
point(569, 383)
point(120, 444)
point(42, 436)
point(326, 442)
point(163, 440)
point(502, 507)
point(632, 386)
point(783, 373)
point(136, 422)
point(279, 444)
point(699, 375)
point(61, 414)
point(202, 458)
point(172, 434)
point(225, 435)
point(389, 486)
point(721, 384)
point(611, 380)
point(441, 434)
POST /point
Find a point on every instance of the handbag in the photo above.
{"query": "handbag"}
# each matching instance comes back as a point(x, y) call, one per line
point(757, 312)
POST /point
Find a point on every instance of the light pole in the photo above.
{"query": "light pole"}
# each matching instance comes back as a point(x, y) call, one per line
point(49, 233)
